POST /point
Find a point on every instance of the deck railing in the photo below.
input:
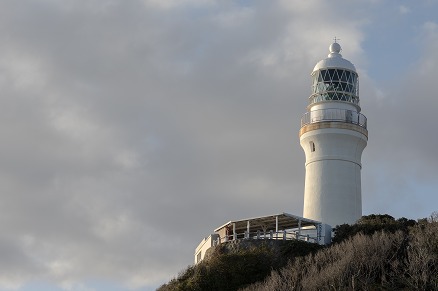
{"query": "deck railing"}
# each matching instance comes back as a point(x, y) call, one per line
point(334, 114)
point(259, 235)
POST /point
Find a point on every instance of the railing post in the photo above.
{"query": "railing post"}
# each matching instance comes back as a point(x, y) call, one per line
point(247, 227)
point(299, 227)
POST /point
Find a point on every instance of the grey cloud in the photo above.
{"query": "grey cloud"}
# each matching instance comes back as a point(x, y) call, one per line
point(129, 131)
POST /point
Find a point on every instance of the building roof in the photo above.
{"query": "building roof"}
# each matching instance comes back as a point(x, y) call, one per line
point(265, 223)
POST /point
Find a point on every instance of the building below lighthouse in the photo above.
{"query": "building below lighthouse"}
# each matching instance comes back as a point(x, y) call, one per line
point(333, 136)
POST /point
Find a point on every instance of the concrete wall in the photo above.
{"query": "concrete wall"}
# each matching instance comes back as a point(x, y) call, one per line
point(204, 245)
point(332, 192)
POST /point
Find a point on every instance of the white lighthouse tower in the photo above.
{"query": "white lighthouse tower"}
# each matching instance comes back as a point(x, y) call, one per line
point(333, 135)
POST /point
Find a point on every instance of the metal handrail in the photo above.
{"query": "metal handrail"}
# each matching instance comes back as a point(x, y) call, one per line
point(280, 235)
point(334, 114)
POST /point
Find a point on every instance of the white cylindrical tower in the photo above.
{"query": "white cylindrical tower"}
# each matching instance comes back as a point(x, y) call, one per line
point(333, 135)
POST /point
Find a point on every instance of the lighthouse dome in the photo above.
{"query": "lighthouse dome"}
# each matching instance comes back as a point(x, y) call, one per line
point(334, 60)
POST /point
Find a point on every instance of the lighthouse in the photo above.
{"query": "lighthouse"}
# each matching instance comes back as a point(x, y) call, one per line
point(333, 136)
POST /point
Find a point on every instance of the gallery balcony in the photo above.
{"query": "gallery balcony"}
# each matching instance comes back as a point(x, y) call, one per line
point(334, 115)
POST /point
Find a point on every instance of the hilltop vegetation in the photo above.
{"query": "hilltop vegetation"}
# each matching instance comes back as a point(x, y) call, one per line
point(377, 253)
point(233, 268)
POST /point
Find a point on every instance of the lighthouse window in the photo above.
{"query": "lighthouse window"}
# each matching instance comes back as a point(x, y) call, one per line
point(326, 75)
point(335, 84)
point(312, 146)
point(344, 76)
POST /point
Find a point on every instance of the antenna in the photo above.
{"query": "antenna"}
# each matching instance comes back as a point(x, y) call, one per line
point(336, 39)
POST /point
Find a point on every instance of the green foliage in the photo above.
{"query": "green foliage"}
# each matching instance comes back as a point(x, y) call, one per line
point(231, 270)
point(402, 255)
point(377, 253)
point(296, 248)
point(370, 224)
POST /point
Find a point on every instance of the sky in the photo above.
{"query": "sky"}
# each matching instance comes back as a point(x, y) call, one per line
point(132, 129)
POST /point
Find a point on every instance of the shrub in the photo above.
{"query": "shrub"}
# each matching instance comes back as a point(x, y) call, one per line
point(230, 267)
point(370, 224)
point(398, 255)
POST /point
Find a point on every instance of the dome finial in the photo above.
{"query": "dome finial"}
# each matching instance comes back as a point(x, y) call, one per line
point(335, 47)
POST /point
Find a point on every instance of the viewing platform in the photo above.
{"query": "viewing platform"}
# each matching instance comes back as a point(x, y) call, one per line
point(282, 226)
point(334, 115)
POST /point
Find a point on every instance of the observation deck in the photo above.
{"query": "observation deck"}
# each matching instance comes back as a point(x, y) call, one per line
point(334, 118)
point(334, 114)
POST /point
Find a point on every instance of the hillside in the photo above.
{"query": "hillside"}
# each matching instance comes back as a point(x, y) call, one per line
point(377, 253)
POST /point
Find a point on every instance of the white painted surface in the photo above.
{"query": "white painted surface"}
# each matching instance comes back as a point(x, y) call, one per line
point(332, 191)
point(333, 104)
point(204, 245)
point(334, 60)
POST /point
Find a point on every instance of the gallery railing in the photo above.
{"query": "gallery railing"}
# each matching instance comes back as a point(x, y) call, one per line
point(334, 114)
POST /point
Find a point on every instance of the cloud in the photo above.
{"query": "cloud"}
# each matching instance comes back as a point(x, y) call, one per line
point(402, 145)
point(130, 130)
point(144, 124)
point(404, 9)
